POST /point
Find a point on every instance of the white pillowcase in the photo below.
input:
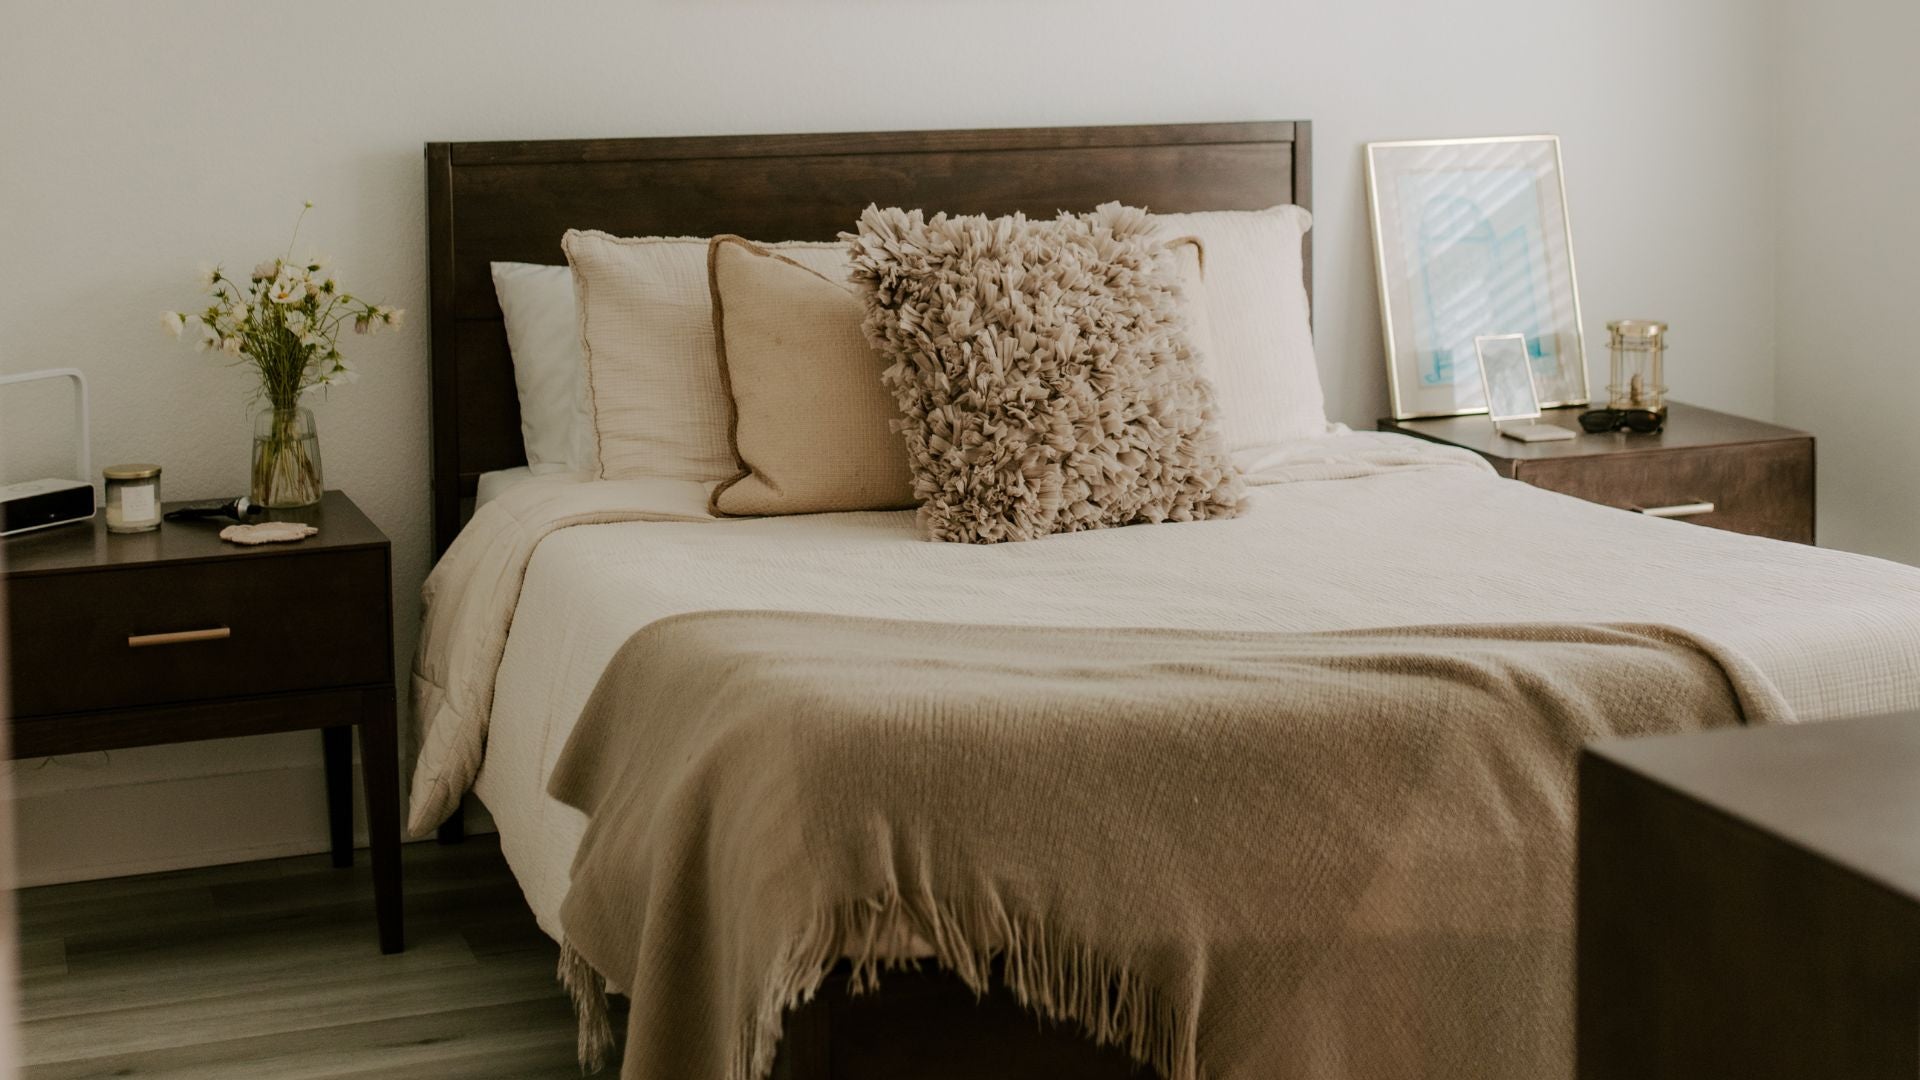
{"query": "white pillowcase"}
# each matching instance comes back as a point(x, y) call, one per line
point(1262, 362)
point(659, 408)
point(543, 334)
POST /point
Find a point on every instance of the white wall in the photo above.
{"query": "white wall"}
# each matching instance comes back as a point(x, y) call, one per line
point(138, 139)
point(1848, 229)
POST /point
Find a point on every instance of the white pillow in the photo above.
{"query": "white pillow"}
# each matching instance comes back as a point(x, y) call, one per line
point(1262, 362)
point(543, 334)
point(658, 405)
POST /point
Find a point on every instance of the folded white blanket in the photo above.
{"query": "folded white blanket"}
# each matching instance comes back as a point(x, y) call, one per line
point(467, 609)
point(469, 600)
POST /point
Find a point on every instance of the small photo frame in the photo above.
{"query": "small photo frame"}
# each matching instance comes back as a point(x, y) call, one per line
point(1506, 377)
point(1470, 237)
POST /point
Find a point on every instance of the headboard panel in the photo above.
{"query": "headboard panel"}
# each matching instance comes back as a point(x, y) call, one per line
point(512, 201)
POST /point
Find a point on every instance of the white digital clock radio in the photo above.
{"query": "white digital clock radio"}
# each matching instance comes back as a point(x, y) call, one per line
point(41, 504)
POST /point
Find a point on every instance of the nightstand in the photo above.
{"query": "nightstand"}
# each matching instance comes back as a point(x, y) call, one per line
point(116, 641)
point(1710, 468)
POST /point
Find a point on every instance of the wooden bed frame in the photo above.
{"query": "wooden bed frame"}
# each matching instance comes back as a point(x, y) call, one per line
point(512, 201)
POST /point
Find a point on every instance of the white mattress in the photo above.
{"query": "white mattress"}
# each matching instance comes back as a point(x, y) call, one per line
point(1839, 634)
point(491, 484)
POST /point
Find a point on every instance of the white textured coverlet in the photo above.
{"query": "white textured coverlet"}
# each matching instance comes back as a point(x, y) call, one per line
point(1348, 531)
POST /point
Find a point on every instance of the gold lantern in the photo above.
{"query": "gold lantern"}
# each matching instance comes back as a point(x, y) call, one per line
point(1636, 349)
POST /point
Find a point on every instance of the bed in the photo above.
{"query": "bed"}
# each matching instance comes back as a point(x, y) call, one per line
point(1345, 531)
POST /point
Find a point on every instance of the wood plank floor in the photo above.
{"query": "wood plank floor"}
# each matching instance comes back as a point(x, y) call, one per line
point(271, 970)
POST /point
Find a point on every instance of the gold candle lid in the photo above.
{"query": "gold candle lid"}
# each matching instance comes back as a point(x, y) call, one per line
point(131, 472)
point(1647, 330)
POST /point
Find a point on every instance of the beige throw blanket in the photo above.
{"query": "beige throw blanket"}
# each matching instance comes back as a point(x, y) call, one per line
point(1252, 855)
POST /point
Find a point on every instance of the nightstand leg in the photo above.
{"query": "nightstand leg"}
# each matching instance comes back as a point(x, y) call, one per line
point(336, 745)
point(380, 767)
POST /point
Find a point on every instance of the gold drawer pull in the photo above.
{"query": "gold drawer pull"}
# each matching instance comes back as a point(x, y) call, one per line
point(178, 637)
point(1678, 510)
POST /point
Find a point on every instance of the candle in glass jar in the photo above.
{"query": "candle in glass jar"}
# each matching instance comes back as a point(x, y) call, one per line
point(1637, 350)
point(133, 498)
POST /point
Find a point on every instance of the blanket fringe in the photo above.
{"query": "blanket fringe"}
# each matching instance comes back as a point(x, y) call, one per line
point(1060, 981)
point(589, 993)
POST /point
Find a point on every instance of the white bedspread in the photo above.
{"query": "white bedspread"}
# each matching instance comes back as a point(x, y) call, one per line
point(1352, 530)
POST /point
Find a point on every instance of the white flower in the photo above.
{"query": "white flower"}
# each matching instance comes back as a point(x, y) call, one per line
point(173, 321)
point(310, 339)
point(317, 263)
point(341, 374)
point(288, 289)
point(267, 271)
point(363, 325)
point(392, 315)
point(209, 275)
point(231, 346)
point(296, 320)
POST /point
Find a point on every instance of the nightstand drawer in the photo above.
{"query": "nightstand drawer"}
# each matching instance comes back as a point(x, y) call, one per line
point(235, 627)
point(1762, 489)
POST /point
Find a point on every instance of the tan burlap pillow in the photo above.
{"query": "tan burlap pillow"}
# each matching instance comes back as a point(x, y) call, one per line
point(1045, 372)
point(810, 416)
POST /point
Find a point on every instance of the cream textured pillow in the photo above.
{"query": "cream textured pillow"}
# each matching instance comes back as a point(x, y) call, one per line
point(653, 374)
point(1261, 361)
point(1044, 370)
point(812, 424)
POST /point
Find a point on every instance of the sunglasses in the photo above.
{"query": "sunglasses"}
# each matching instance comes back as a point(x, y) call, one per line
point(1601, 421)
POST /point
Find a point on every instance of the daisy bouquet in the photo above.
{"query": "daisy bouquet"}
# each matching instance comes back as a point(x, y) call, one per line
point(284, 320)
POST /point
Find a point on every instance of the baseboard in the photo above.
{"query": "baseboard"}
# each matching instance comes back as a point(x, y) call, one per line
point(157, 825)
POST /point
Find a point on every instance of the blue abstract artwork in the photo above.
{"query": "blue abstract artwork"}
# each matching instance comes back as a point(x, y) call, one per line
point(1476, 236)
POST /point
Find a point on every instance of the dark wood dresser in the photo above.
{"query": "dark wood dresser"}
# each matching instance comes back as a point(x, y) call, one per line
point(1710, 468)
point(175, 635)
point(1749, 904)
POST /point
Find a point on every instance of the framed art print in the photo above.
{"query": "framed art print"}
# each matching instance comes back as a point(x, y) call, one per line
point(1471, 238)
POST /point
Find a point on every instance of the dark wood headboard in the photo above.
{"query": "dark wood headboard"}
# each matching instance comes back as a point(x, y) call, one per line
point(511, 202)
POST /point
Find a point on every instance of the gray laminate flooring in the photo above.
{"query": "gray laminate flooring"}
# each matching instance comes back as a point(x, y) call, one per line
point(270, 971)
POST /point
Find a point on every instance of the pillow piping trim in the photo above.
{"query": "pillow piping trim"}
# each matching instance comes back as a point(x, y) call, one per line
point(586, 350)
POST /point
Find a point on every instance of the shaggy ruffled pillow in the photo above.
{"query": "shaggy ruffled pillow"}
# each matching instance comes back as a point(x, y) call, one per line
point(1044, 370)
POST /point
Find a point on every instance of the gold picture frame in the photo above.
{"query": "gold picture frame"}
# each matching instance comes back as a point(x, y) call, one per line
point(1472, 237)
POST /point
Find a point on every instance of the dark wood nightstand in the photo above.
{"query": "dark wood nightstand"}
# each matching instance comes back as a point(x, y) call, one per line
point(175, 635)
point(1707, 467)
point(1749, 903)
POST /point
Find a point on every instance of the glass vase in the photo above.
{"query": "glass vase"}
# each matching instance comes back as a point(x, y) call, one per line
point(286, 458)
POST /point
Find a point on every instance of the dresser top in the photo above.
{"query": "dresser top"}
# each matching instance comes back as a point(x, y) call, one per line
point(1688, 427)
point(89, 546)
point(1848, 791)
